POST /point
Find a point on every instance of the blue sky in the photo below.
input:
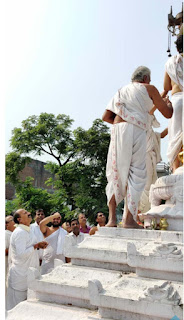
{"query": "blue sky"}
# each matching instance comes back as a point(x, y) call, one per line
point(71, 56)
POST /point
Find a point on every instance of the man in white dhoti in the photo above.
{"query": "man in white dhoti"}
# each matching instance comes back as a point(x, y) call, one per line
point(173, 82)
point(55, 236)
point(22, 255)
point(36, 229)
point(152, 158)
point(126, 162)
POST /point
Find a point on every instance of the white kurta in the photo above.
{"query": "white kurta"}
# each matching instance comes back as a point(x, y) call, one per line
point(126, 160)
point(174, 68)
point(72, 240)
point(22, 255)
point(152, 158)
point(54, 250)
point(39, 237)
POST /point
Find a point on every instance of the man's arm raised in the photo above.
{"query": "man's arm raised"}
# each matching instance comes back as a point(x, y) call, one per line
point(163, 105)
point(45, 221)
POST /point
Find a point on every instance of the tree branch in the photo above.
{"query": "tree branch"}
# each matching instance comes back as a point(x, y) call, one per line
point(45, 150)
point(67, 160)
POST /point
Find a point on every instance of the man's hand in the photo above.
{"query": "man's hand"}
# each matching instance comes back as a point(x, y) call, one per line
point(41, 245)
point(45, 221)
point(56, 215)
point(166, 99)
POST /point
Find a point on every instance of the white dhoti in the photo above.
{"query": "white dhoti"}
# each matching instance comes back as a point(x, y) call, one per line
point(126, 161)
point(14, 297)
point(126, 166)
point(54, 250)
point(175, 128)
point(152, 158)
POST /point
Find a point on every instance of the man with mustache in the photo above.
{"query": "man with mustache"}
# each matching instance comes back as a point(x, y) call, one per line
point(73, 238)
point(55, 236)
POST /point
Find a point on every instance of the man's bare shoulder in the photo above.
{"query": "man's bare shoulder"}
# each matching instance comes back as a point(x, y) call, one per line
point(152, 90)
point(150, 87)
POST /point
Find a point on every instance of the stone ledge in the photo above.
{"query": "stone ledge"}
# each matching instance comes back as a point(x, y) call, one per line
point(29, 310)
point(157, 260)
point(159, 235)
point(68, 284)
point(138, 299)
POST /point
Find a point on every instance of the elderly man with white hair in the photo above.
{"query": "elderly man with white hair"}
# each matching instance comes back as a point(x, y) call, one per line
point(126, 162)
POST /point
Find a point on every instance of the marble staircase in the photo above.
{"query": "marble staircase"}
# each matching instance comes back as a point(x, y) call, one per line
point(121, 274)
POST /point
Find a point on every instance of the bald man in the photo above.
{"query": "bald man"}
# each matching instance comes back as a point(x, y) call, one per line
point(22, 255)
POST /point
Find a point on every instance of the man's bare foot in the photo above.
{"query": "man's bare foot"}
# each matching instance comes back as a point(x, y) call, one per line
point(133, 225)
point(111, 224)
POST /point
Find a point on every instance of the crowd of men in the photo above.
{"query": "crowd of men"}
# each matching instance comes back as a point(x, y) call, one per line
point(37, 245)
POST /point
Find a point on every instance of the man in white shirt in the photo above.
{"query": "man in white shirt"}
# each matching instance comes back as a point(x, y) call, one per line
point(40, 215)
point(73, 238)
point(9, 225)
point(22, 255)
point(101, 221)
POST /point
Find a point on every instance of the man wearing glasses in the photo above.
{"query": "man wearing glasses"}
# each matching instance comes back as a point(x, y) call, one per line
point(22, 255)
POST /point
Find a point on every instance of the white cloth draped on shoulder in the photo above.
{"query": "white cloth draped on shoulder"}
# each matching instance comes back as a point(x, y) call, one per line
point(54, 250)
point(132, 103)
point(126, 166)
point(39, 236)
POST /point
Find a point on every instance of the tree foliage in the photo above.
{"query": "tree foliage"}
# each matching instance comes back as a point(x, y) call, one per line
point(79, 162)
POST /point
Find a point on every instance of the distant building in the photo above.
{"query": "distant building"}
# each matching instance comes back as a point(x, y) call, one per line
point(36, 170)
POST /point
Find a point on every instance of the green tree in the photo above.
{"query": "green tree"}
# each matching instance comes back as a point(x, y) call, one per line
point(80, 159)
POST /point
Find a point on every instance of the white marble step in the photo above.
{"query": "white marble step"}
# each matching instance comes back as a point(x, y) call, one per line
point(157, 260)
point(101, 252)
point(36, 310)
point(133, 298)
point(109, 252)
point(133, 234)
point(68, 284)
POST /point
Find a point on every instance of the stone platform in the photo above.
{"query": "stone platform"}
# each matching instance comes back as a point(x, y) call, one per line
point(120, 274)
point(33, 310)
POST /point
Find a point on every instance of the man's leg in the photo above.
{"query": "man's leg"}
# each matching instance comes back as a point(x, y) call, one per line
point(129, 222)
point(112, 213)
point(14, 297)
